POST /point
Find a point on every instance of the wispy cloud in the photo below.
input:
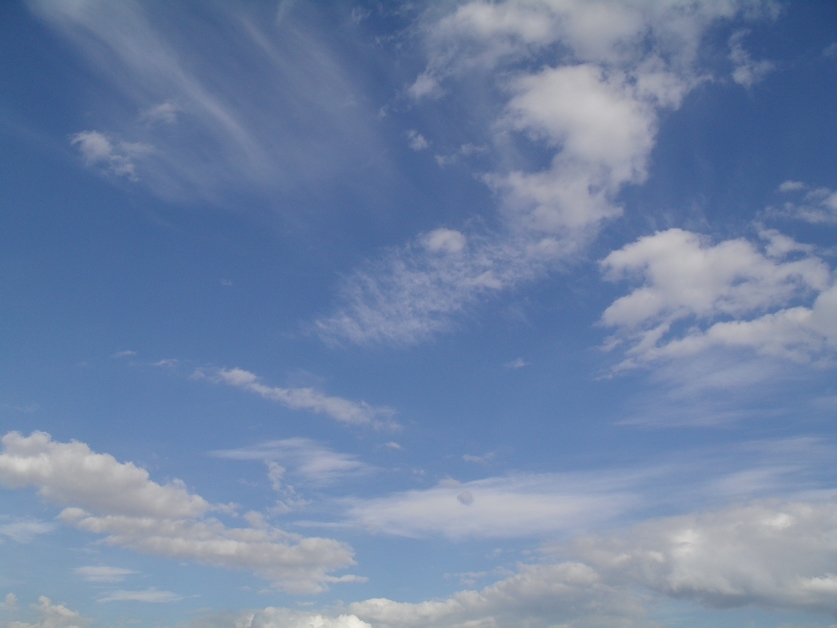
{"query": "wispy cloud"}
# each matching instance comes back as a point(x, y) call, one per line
point(149, 595)
point(103, 573)
point(257, 104)
point(338, 408)
point(304, 458)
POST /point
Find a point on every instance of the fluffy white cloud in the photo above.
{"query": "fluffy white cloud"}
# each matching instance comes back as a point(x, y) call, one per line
point(338, 408)
point(686, 279)
point(119, 500)
point(596, 112)
point(72, 474)
point(511, 506)
point(775, 555)
point(53, 616)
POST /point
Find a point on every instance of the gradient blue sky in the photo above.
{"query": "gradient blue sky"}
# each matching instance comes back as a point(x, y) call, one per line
point(485, 314)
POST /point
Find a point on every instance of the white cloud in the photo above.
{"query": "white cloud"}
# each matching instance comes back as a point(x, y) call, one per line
point(816, 206)
point(733, 295)
point(338, 408)
point(103, 573)
point(596, 112)
point(119, 500)
point(149, 595)
point(72, 474)
point(117, 158)
point(165, 112)
point(10, 602)
point(417, 141)
point(23, 531)
point(771, 554)
point(746, 71)
point(497, 507)
point(53, 616)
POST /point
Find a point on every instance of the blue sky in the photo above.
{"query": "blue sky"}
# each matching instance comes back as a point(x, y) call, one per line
point(450, 314)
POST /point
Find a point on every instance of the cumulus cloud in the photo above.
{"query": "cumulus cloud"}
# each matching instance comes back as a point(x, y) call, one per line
point(596, 112)
point(53, 616)
point(695, 296)
point(103, 496)
point(338, 408)
point(767, 553)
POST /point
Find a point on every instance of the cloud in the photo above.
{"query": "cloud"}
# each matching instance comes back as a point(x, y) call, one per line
point(746, 71)
point(817, 206)
point(308, 460)
point(103, 496)
point(10, 602)
point(149, 595)
point(24, 531)
point(53, 616)
point(497, 507)
point(595, 113)
point(417, 141)
point(343, 410)
point(117, 158)
point(257, 105)
point(102, 573)
point(766, 553)
point(279, 618)
point(695, 296)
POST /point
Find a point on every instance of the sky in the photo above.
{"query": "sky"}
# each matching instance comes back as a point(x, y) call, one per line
point(421, 314)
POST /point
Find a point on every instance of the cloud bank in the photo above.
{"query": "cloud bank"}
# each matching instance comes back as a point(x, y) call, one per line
point(118, 500)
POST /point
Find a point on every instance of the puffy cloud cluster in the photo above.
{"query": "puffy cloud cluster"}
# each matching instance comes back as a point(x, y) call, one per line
point(338, 408)
point(53, 616)
point(104, 496)
point(695, 295)
point(775, 555)
point(594, 109)
point(769, 554)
